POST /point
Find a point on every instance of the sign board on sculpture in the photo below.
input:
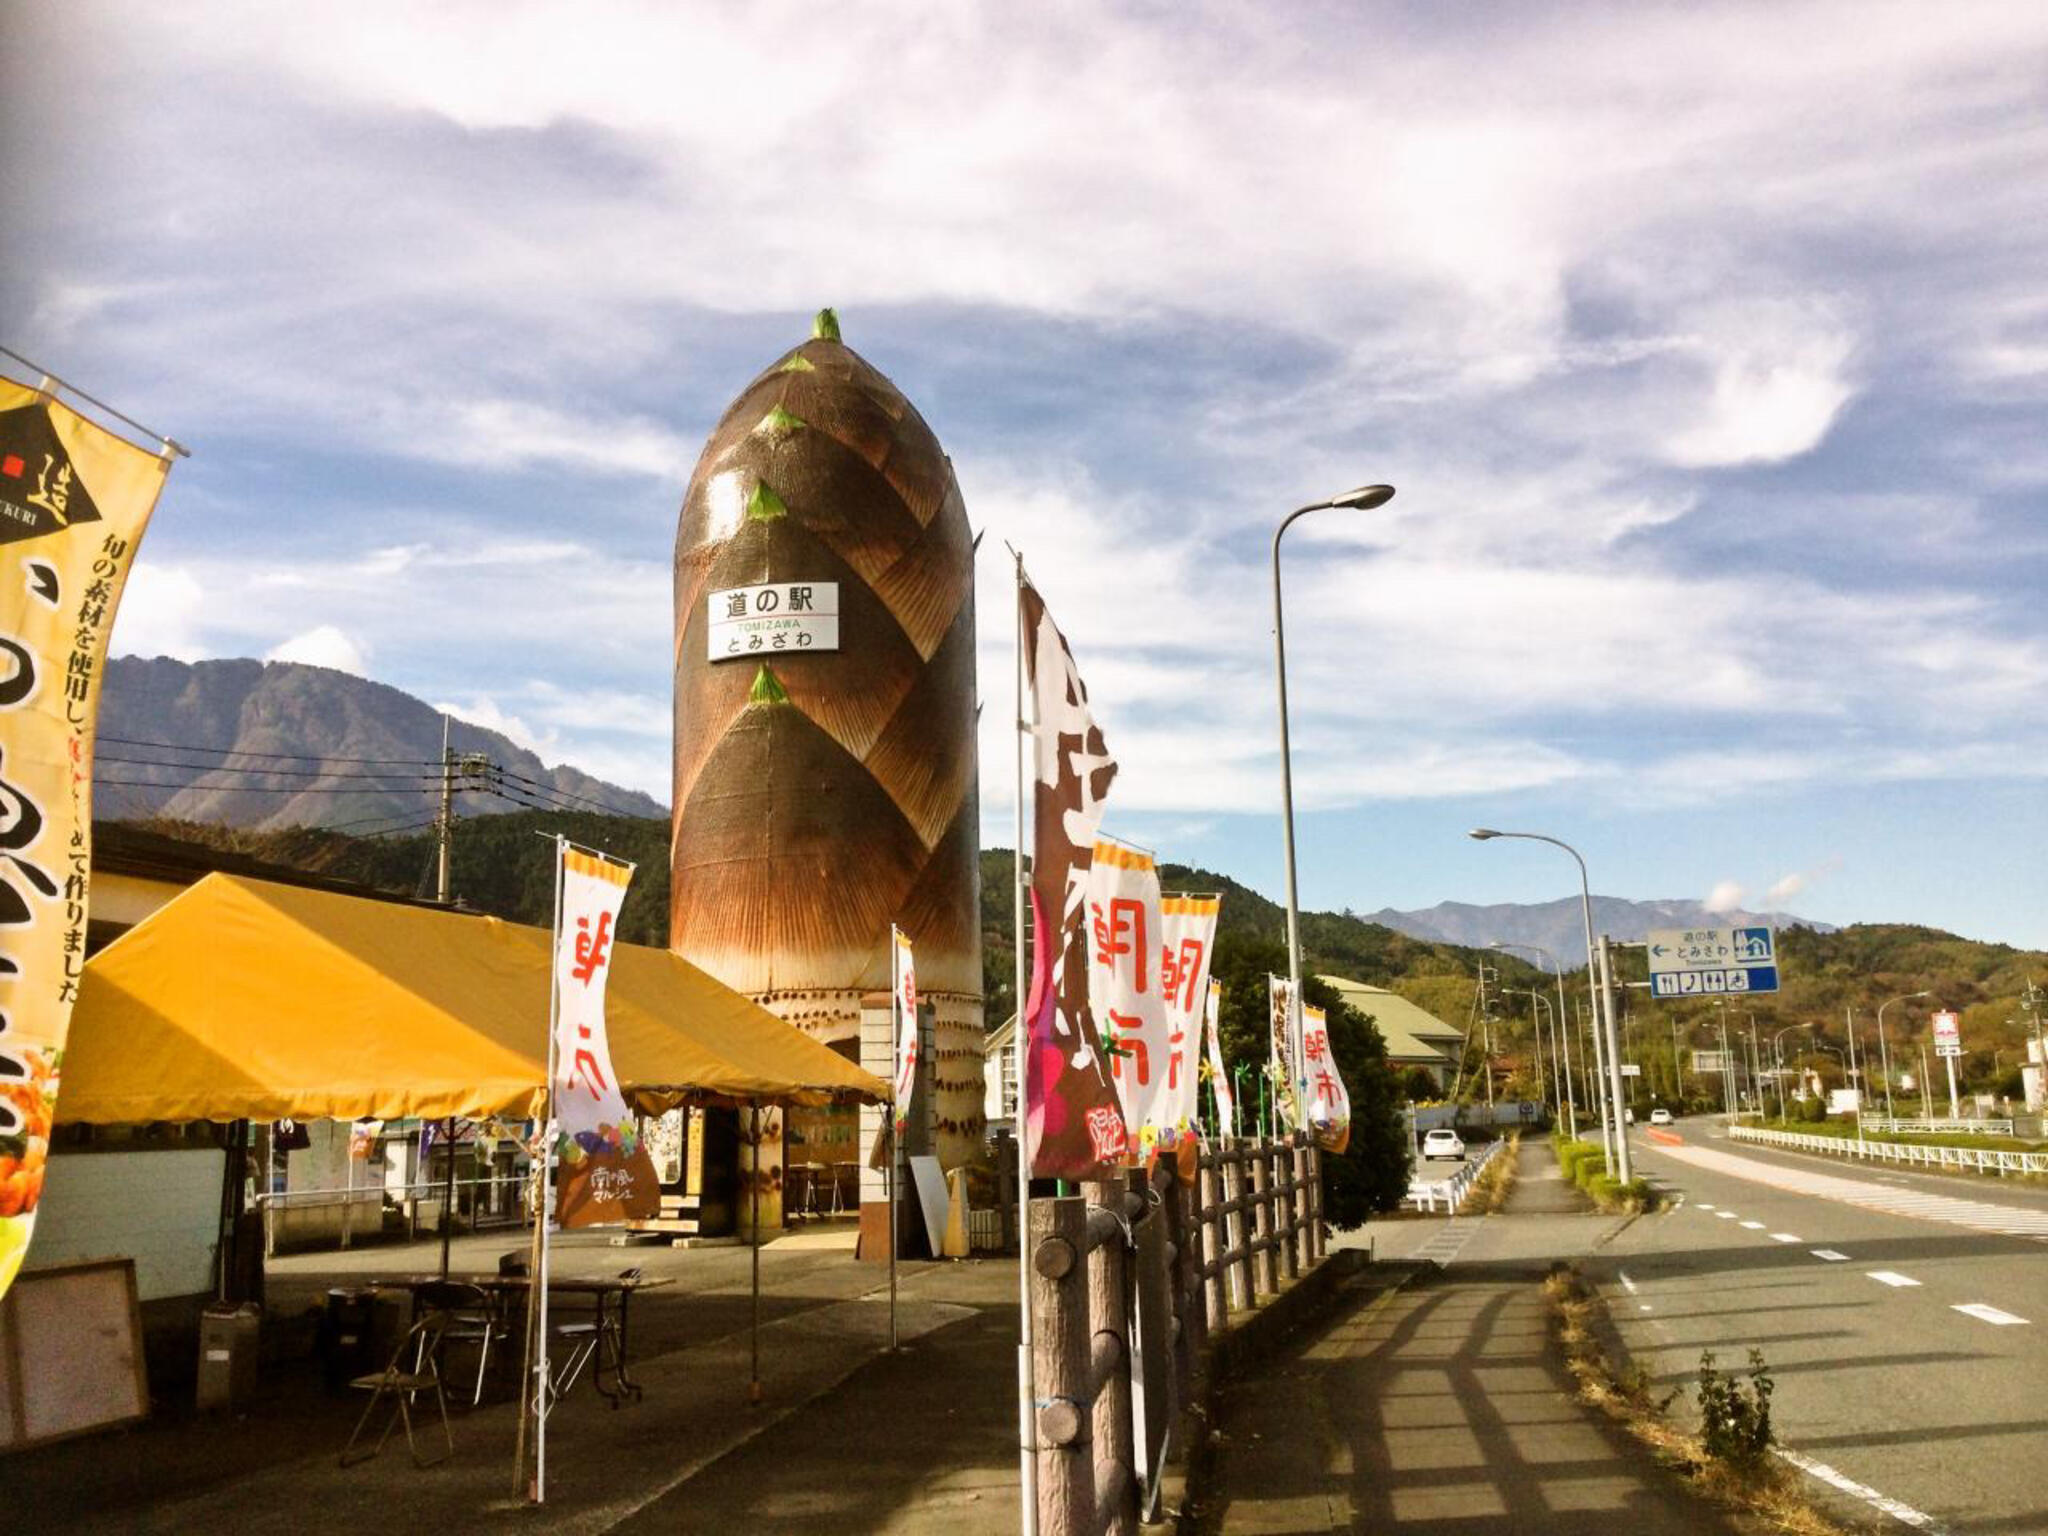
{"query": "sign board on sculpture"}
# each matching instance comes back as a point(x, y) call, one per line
point(1948, 1035)
point(1712, 962)
point(783, 617)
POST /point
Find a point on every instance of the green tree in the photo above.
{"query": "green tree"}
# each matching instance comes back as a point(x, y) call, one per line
point(1372, 1173)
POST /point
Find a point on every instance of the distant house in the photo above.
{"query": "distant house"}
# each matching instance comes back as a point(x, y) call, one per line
point(1415, 1037)
point(999, 1073)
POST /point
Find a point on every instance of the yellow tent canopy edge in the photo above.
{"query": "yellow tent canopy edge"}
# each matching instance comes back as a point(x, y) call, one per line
point(247, 999)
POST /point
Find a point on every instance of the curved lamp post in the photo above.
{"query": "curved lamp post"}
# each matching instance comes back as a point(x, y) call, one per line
point(1884, 1055)
point(1364, 498)
point(1613, 1063)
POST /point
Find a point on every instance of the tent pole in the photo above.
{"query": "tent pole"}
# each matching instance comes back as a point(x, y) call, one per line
point(892, 1228)
point(754, 1194)
point(448, 1191)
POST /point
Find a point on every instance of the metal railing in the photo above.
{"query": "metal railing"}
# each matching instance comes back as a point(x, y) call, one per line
point(1976, 1159)
point(1424, 1194)
point(368, 1200)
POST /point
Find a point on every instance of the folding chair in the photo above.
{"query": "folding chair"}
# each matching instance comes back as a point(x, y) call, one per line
point(401, 1383)
point(470, 1319)
point(588, 1340)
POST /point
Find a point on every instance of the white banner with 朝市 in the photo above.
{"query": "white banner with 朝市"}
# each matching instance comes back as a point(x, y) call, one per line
point(1124, 986)
point(1188, 936)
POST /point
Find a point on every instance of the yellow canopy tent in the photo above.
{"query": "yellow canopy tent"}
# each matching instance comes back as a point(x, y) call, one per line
point(245, 999)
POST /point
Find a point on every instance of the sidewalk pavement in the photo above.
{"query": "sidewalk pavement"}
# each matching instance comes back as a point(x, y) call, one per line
point(926, 1430)
point(1445, 1406)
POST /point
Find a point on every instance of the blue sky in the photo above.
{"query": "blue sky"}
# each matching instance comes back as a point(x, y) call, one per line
point(1707, 345)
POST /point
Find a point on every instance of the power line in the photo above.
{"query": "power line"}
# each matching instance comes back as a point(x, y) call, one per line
point(265, 789)
point(562, 794)
point(277, 773)
point(314, 757)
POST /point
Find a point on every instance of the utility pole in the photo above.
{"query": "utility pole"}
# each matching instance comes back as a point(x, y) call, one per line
point(444, 823)
point(1627, 1173)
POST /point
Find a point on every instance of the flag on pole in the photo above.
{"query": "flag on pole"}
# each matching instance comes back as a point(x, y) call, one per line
point(1187, 940)
point(906, 1030)
point(1126, 991)
point(607, 1174)
point(1288, 1078)
point(1219, 1078)
point(1328, 1103)
point(1074, 1123)
point(74, 500)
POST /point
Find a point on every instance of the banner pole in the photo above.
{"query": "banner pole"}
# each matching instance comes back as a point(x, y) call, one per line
point(1027, 1385)
point(896, 1081)
point(539, 1284)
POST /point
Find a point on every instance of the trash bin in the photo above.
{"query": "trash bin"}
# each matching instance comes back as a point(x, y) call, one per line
point(229, 1342)
point(346, 1336)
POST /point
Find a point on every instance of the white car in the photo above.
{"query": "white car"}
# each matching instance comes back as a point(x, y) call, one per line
point(1660, 1117)
point(1442, 1143)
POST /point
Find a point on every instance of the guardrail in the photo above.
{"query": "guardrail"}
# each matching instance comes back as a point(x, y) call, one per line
point(485, 1209)
point(1452, 1191)
point(1976, 1159)
point(1944, 1127)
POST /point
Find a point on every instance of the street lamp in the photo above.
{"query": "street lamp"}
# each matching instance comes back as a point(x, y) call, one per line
point(1778, 1050)
point(1884, 1055)
point(1364, 498)
point(1613, 1063)
point(1558, 1027)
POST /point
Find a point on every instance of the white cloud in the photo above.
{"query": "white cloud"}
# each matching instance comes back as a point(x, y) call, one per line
point(324, 645)
point(486, 712)
point(1726, 896)
point(162, 613)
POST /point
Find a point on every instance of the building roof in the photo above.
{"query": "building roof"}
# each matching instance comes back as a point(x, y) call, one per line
point(1413, 1033)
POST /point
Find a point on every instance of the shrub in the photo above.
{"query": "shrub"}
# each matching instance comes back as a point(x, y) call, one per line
point(1735, 1422)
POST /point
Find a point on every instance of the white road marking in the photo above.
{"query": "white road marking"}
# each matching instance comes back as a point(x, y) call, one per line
point(1725, 1215)
point(1754, 1226)
point(1870, 1496)
point(1977, 1215)
point(1704, 1206)
point(1783, 1237)
point(1983, 1313)
point(1831, 1256)
point(1890, 1277)
point(1626, 1283)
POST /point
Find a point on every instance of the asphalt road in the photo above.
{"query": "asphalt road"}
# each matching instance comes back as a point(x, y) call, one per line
point(1904, 1319)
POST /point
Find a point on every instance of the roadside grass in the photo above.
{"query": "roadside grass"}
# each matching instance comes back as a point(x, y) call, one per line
point(1763, 1495)
point(1496, 1182)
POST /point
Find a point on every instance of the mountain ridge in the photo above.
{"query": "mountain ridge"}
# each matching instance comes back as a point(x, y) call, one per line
point(1559, 926)
point(269, 744)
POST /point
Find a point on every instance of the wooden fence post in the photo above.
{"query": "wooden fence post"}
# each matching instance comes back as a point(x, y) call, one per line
point(1192, 1305)
point(1316, 1234)
point(1110, 1360)
point(1215, 1238)
point(1288, 1227)
point(1059, 1352)
point(1266, 1271)
point(1237, 1186)
point(1301, 1244)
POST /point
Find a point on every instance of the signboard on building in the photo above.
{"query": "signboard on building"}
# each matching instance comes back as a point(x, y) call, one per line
point(1712, 962)
point(782, 617)
point(1948, 1035)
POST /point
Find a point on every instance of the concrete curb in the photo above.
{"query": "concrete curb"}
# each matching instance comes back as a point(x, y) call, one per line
point(1247, 1345)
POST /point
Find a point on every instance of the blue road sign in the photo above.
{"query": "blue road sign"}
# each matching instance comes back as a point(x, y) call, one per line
point(1712, 962)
